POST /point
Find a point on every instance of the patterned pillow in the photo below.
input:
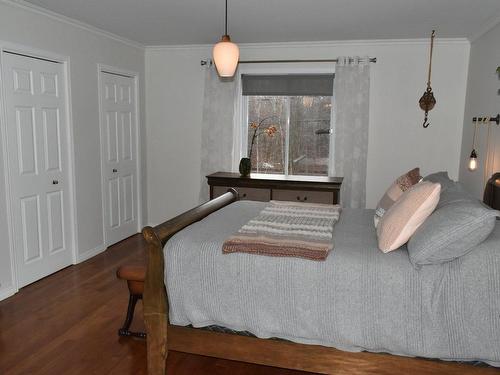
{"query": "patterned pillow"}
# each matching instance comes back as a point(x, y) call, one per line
point(395, 191)
point(407, 215)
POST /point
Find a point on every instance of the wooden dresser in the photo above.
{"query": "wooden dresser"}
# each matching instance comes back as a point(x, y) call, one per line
point(266, 187)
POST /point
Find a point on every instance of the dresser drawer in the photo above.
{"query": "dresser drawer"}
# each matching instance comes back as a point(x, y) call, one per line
point(303, 196)
point(247, 194)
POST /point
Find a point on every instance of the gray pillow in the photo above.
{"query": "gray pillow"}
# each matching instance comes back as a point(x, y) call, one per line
point(451, 231)
point(451, 191)
point(441, 178)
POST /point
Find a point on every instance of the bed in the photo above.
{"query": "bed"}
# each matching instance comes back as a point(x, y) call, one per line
point(359, 299)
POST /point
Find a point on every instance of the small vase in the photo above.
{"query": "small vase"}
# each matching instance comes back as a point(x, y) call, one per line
point(245, 167)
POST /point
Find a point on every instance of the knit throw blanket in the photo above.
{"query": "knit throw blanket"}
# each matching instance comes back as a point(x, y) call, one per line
point(288, 229)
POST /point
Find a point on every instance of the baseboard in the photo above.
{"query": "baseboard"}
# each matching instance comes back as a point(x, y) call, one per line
point(7, 292)
point(90, 253)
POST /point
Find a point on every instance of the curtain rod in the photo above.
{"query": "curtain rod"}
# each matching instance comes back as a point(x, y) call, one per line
point(209, 61)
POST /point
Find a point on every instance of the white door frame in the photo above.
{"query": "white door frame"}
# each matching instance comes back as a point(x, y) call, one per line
point(103, 68)
point(65, 61)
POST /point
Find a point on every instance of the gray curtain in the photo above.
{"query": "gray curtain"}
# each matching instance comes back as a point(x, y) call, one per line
point(350, 141)
point(217, 127)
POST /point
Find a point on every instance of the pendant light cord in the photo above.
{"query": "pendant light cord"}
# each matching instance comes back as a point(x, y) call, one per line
point(225, 27)
point(474, 136)
point(488, 161)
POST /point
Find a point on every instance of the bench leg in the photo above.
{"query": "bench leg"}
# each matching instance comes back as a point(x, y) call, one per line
point(124, 331)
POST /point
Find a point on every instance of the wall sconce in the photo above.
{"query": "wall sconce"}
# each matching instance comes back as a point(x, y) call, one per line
point(473, 158)
point(473, 154)
point(473, 161)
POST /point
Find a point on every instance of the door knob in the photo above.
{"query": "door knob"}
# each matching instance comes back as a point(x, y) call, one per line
point(55, 182)
point(115, 170)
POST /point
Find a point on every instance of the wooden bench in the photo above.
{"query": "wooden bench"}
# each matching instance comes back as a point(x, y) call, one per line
point(135, 276)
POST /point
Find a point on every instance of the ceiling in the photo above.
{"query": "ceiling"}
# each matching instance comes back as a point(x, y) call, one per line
point(166, 22)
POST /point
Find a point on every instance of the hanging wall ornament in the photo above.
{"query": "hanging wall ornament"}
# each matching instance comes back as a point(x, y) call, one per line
point(427, 101)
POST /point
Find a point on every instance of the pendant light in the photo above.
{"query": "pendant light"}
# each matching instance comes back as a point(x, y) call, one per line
point(473, 154)
point(473, 161)
point(226, 54)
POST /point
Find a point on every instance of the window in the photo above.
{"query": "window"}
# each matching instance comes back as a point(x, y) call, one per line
point(288, 122)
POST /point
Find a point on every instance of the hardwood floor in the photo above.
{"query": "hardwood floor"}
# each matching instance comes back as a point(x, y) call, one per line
point(67, 324)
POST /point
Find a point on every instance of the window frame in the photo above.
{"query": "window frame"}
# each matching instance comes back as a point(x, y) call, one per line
point(241, 134)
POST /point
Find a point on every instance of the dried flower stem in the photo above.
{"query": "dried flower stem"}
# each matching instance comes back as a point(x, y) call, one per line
point(256, 134)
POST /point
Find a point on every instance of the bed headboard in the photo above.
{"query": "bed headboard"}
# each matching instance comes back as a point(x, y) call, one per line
point(492, 192)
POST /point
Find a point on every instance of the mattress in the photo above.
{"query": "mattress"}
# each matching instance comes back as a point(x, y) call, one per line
point(358, 299)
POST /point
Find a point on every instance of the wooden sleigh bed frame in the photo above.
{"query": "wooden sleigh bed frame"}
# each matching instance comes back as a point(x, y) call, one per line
point(162, 337)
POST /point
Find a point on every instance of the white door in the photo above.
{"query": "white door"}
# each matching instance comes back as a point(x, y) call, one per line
point(36, 128)
point(119, 156)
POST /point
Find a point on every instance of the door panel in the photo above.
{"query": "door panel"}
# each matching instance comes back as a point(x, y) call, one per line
point(23, 81)
point(30, 217)
point(114, 203)
point(127, 138)
point(49, 84)
point(55, 208)
point(119, 164)
point(36, 130)
point(125, 94)
point(110, 91)
point(128, 198)
point(26, 140)
point(112, 136)
point(52, 139)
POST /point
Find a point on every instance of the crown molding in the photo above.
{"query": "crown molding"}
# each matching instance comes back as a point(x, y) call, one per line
point(21, 4)
point(485, 28)
point(180, 47)
point(324, 44)
point(361, 42)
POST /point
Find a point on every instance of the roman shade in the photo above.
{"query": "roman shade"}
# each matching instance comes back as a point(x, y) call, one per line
point(288, 84)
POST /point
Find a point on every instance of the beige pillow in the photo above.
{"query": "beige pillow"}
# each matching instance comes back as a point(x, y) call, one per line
point(406, 215)
point(395, 191)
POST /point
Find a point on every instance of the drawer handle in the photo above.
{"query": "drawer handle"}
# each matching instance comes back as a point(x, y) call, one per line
point(305, 198)
point(244, 195)
point(298, 198)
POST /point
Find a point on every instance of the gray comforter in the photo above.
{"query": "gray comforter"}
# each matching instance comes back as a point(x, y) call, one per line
point(358, 299)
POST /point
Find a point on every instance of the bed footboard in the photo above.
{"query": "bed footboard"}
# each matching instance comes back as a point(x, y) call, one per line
point(155, 296)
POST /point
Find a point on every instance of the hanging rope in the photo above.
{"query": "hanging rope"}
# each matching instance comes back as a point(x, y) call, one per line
point(427, 101)
point(430, 59)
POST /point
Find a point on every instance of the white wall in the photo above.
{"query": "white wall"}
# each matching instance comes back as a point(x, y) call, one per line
point(86, 48)
point(397, 141)
point(482, 100)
